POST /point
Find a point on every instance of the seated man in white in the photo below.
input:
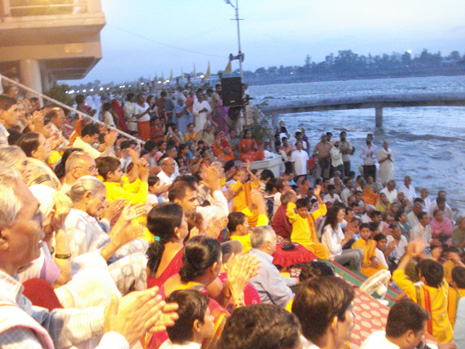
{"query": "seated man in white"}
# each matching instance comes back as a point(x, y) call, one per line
point(405, 328)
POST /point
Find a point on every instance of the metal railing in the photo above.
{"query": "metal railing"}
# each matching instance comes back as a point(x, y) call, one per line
point(64, 106)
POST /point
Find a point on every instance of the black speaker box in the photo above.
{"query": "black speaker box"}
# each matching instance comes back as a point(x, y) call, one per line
point(232, 92)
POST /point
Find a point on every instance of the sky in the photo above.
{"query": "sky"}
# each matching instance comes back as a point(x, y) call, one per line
point(152, 37)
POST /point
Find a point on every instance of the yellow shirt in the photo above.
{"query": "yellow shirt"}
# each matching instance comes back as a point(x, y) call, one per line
point(303, 229)
point(135, 192)
point(242, 199)
point(244, 240)
point(369, 251)
point(439, 325)
point(448, 266)
point(455, 294)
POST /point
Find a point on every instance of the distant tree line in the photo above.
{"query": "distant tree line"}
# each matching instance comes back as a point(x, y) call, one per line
point(348, 64)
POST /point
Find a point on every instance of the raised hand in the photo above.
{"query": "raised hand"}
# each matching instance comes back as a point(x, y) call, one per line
point(211, 178)
point(130, 213)
point(239, 270)
point(113, 209)
point(138, 313)
point(61, 210)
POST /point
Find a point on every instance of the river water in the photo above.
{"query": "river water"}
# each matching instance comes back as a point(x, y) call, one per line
point(428, 142)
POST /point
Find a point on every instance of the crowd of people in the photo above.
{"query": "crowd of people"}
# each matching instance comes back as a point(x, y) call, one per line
point(169, 243)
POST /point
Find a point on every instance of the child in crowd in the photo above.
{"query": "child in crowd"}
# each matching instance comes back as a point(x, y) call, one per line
point(133, 187)
point(154, 186)
point(382, 253)
point(396, 243)
point(303, 224)
point(238, 229)
point(242, 190)
point(431, 294)
point(195, 322)
point(370, 264)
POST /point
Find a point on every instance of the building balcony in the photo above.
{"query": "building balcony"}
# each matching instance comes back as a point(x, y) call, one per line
point(61, 38)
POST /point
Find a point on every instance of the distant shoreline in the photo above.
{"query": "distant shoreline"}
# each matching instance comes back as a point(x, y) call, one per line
point(347, 77)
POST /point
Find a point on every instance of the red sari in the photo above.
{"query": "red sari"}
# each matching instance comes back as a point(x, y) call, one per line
point(170, 270)
point(250, 155)
point(120, 113)
point(222, 150)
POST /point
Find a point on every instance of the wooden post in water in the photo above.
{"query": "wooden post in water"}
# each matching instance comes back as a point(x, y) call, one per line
point(274, 120)
point(379, 116)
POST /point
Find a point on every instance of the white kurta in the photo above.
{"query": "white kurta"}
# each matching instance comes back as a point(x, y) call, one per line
point(201, 118)
point(386, 168)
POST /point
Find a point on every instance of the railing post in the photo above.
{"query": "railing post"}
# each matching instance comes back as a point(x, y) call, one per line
point(5, 11)
point(379, 116)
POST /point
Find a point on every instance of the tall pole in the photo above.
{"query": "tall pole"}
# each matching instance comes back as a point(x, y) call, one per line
point(239, 39)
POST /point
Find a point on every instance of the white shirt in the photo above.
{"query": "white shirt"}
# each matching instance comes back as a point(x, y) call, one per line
point(300, 158)
point(412, 219)
point(369, 154)
point(336, 157)
point(332, 240)
point(86, 148)
point(346, 146)
point(108, 119)
point(427, 205)
point(165, 179)
point(400, 248)
point(306, 344)
point(218, 207)
point(381, 258)
point(421, 233)
point(378, 340)
point(189, 345)
point(332, 199)
point(410, 193)
point(390, 195)
point(345, 194)
point(140, 109)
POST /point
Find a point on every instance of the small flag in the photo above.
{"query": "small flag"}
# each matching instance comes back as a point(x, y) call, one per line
point(228, 69)
point(207, 74)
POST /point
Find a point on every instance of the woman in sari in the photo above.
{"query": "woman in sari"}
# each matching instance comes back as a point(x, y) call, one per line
point(248, 148)
point(167, 222)
point(382, 205)
point(37, 150)
point(118, 110)
point(221, 148)
point(369, 198)
point(202, 261)
point(219, 111)
point(191, 135)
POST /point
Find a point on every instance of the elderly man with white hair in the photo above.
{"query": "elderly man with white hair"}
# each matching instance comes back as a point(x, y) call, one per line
point(166, 175)
point(270, 285)
point(77, 165)
point(25, 326)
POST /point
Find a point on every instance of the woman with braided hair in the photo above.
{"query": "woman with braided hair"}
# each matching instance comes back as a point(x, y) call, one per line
point(167, 222)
